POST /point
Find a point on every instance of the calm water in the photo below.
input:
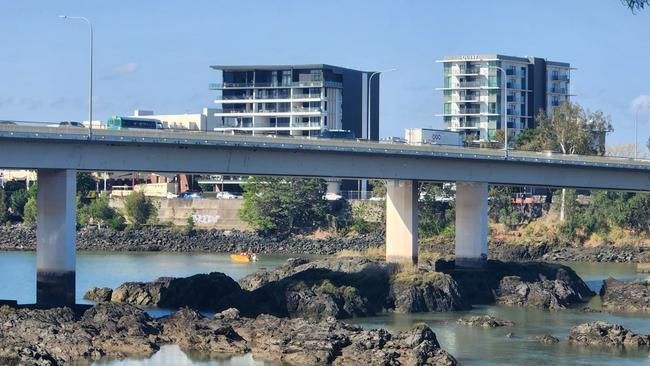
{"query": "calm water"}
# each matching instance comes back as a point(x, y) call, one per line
point(472, 346)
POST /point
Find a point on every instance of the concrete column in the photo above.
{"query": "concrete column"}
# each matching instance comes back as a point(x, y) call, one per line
point(55, 237)
point(401, 221)
point(471, 224)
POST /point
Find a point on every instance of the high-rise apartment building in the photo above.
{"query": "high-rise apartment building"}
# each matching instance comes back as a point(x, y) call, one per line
point(297, 100)
point(474, 94)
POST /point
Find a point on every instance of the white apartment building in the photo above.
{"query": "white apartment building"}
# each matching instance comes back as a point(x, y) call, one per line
point(474, 93)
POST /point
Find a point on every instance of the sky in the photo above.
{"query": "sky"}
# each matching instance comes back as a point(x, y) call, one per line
point(156, 54)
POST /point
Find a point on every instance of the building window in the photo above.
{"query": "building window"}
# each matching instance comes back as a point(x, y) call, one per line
point(447, 82)
point(447, 108)
point(494, 81)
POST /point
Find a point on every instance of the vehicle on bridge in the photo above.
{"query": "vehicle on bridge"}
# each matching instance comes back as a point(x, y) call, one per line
point(123, 123)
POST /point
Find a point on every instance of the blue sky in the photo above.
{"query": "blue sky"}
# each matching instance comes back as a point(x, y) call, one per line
point(155, 55)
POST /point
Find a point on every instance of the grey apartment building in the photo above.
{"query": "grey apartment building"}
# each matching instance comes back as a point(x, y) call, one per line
point(296, 100)
point(473, 93)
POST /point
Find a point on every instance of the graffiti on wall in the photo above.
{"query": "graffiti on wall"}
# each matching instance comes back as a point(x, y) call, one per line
point(205, 219)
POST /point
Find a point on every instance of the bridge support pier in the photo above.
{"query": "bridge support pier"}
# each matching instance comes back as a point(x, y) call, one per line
point(402, 221)
point(55, 237)
point(471, 224)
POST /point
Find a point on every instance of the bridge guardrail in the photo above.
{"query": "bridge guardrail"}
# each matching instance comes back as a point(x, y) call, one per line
point(45, 130)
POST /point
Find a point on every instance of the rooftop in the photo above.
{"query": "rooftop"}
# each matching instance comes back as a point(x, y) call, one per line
point(279, 67)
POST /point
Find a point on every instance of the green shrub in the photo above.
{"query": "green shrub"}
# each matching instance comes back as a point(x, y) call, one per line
point(139, 209)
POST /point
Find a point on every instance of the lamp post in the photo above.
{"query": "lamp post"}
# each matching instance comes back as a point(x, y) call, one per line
point(505, 110)
point(90, 91)
point(370, 98)
point(636, 130)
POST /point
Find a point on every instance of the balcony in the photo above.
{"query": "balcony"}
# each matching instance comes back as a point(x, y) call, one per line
point(235, 97)
point(470, 71)
point(512, 112)
point(511, 72)
point(306, 96)
point(469, 84)
point(558, 77)
point(273, 96)
point(469, 110)
point(558, 90)
point(555, 103)
point(297, 84)
point(307, 109)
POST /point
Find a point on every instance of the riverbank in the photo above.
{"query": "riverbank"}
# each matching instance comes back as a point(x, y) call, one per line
point(163, 239)
point(175, 240)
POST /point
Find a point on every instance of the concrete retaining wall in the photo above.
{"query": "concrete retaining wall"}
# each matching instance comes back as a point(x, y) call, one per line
point(207, 213)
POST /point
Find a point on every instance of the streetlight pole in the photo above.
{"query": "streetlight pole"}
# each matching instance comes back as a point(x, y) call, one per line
point(505, 109)
point(90, 91)
point(636, 131)
point(370, 97)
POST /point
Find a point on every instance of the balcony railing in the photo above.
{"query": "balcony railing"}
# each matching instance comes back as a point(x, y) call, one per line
point(469, 124)
point(273, 96)
point(316, 83)
point(512, 112)
point(470, 70)
point(469, 84)
point(469, 110)
point(559, 90)
point(306, 109)
point(306, 96)
point(234, 97)
point(560, 77)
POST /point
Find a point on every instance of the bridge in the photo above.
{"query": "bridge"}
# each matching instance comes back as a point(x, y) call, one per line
point(58, 152)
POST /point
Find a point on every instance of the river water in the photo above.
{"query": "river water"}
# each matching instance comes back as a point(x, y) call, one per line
point(470, 345)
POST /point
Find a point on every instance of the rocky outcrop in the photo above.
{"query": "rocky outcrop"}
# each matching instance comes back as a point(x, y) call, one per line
point(529, 284)
point(302, 342)
point(99, 294)
point(425, 291)
point(603, 334)
point(201, 291)
point(23, 237)
point(484, 321)
point(632, 296)
point(543, 294)
point(57, 337)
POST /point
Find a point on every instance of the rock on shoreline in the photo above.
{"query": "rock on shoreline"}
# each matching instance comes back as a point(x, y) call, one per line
point(355, 287)
point(631, 296)
point(154, 239)
point(603, 334)
point(485, 321)
point(57, 336)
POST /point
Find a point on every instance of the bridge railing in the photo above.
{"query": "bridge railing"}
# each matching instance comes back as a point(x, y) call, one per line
point(51, 130)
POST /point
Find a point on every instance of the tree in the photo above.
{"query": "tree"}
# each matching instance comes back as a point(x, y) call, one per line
point(98, 212)
point(635, 5)
point(85, 183)
point(434, 214)
point(284, 205)
point(529, 139)
point(139, 209)
point(572, 130)
point(3, 206)
point(30, 211)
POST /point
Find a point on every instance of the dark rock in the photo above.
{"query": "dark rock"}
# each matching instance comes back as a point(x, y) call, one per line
point(546, 339)
point(98, 294)
point(632, 296)
point(425, 291)
point(193, 331)
point(485, 321)
point(325, 300)
point(534, 284)
point(607, 335)
point(302, 342)
point(201, 291)
point(56, 336)
point(23, 237)
point(544, 294)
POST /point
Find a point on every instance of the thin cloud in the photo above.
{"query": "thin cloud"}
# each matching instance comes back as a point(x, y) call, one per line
point(126, 68)
point(122, 70)
point(641, 102)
